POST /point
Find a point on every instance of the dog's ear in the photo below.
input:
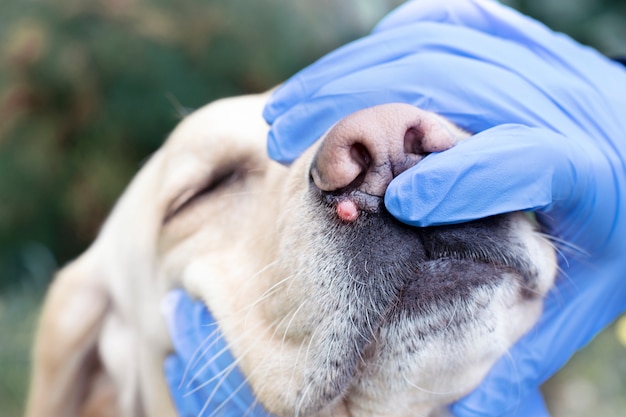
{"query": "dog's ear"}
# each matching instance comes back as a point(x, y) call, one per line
point(67, 377)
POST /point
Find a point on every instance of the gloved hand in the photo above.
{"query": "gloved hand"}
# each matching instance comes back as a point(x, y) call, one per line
point(550, 123)
point(201, 373)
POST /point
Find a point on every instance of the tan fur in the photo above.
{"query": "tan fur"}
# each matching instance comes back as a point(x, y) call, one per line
point(243, 250)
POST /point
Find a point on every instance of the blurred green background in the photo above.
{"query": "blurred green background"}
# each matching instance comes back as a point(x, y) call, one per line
point(89, 88)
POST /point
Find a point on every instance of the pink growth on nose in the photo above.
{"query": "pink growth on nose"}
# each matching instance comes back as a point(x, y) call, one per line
point(347, 210)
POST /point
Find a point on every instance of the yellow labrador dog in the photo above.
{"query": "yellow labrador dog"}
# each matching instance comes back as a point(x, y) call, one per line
point(332, 307)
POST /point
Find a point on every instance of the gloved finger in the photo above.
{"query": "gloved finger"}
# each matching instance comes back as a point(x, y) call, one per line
point(358, 55)
point(500, 21)
point(195, 336)
point(486, 95)
point(532, 405)
point(487, 18)
point(503, 169)
point(475, 80)
point(484, 16)
point(186, 324)
point(583, 303)
point(379, 49)
point(202, 362)
point(174, 369)
point(178, 310)
point(346, 60)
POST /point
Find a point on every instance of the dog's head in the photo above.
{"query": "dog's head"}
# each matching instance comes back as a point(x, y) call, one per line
point(332, 304)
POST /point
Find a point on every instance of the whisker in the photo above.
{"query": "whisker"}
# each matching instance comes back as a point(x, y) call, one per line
point(424, 390)
point(452, 316)
point(293, 316)
point(266, 294)
point(230, 397)
point(199, 352)
point(310, 383)
point(226, 370)
point(564, 246)
point(208, 401)
point(244, 193)
point(276, 324)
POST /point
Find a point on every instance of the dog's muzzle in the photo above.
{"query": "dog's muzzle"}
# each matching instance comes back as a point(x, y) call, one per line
point(355, 163)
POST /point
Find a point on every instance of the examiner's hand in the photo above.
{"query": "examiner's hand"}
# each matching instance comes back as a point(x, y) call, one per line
point(549, 118)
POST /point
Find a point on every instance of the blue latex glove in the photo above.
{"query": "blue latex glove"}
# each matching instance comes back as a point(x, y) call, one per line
point(550, 123)
point(201, 373)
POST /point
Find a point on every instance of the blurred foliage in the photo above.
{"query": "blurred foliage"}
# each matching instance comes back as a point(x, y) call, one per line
point(89, 88)
point(18, 314)
point(598, 23)
point(594, 381)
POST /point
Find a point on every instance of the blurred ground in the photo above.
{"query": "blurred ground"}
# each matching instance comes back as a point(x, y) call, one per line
point(89, 88)
point(18, 311)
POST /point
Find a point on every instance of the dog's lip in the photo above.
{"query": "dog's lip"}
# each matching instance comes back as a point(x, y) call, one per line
point(369, 206)
point(363, 201)
point(431, 237)
point(442, 242)
point(372, 205)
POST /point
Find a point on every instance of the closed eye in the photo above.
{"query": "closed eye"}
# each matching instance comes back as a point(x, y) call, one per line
point(190, 197)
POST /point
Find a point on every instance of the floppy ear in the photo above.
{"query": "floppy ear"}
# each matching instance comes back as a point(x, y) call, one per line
point(67, 377)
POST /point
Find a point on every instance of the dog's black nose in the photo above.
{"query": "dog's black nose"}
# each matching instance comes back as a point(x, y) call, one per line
point(362, 153)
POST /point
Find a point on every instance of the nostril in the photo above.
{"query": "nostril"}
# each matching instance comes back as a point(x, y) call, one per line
point(341, 164)
point(414, 141)
point(360, 155)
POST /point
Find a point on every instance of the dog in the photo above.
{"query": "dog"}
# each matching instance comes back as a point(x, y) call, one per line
point(331, 306)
